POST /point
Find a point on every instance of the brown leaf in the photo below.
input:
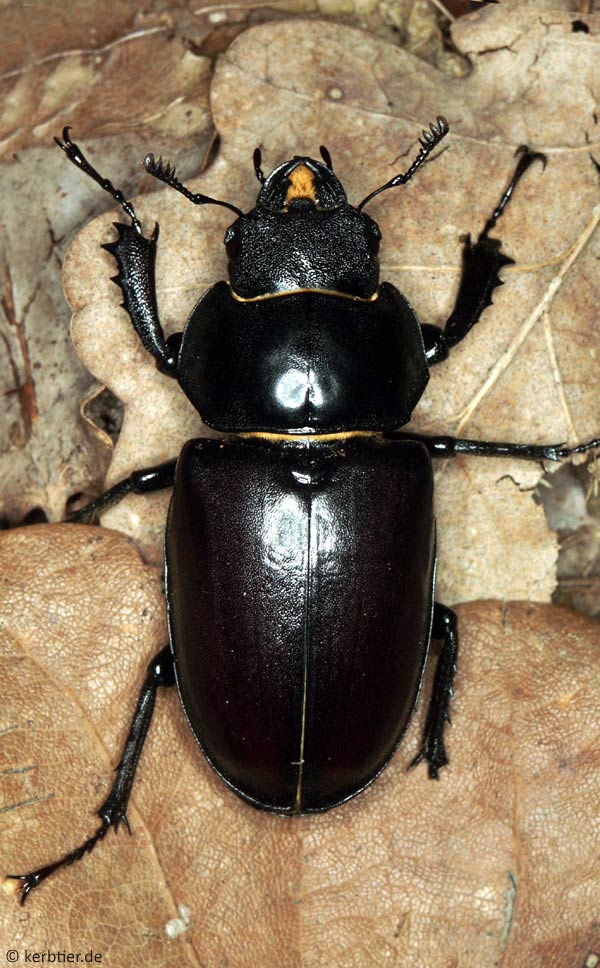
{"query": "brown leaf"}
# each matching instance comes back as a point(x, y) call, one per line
point(496, 864)
point(529, 370)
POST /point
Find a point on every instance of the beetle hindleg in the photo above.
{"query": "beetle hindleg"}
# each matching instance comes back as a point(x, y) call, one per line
point(432, 746)
point(113, 811)
point(481, 263)
point(139, 482)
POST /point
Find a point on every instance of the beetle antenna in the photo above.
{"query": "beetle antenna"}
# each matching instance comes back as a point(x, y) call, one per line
point(166, 173)
point(428, 141)
point(326, 157)
point(256, 160)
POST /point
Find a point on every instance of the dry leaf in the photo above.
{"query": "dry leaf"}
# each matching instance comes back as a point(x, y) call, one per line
point(494, 865)
point(529, 370)
point(101, 63)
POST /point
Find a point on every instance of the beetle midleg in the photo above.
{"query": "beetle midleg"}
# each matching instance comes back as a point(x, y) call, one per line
point(481, 263)
point(144, 481)
point(432, 747)
point(453, 446)
point(113, 810)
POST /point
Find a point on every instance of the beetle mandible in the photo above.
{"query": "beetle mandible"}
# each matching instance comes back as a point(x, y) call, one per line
point(313, 501)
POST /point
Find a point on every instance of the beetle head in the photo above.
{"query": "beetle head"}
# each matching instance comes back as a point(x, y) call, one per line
point(301, 235)
point(299, 185)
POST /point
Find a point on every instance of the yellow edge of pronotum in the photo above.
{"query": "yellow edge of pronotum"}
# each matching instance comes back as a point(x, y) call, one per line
point(341, 435)
point(291, 292)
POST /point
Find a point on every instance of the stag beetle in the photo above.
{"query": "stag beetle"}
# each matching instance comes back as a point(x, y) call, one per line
point(300, 545)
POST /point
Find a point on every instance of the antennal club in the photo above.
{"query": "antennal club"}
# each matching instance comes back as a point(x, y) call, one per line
point(428, 141)
point(166, 173)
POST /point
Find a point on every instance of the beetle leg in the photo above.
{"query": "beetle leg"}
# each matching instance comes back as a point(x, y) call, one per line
point(452, 446)
point(481, 263)
point(432, 746)
point(139, 482)
point(135, 256)
point(76, 155)
point(113, 811)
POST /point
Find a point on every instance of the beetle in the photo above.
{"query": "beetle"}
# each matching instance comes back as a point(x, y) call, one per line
point(300, 544)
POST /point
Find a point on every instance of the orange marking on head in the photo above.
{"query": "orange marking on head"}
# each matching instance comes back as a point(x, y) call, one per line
point(302, 184)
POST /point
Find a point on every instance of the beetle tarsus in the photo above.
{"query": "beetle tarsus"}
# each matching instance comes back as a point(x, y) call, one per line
point(526, 158)
point(435, 756)
point(31, 880)
point(560, 452)
point(77, 157)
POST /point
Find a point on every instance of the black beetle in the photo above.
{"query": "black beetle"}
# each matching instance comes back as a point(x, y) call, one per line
point(300, 546)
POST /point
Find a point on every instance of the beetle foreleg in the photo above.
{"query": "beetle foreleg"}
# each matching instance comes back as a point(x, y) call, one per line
point(452, 446)
point(76, 155)
point(135, 255)
point(432, 746)
point(113, 810)
point(139, 482)
point(481, 264)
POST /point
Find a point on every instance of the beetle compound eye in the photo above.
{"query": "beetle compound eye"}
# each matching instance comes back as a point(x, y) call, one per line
point(373, 238)
point(373, 244)
point(232, 242)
